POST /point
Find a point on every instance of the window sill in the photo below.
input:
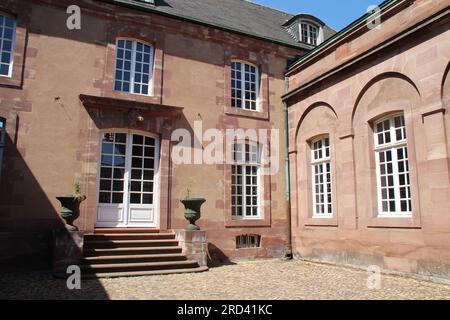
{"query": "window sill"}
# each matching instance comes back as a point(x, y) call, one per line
point(394, 222)
point(260, 115)
point(394, 216)
point(321, 222)
point(10, 82)
point(322, 217)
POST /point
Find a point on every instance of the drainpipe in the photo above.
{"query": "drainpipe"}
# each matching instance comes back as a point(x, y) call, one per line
point(288, 254)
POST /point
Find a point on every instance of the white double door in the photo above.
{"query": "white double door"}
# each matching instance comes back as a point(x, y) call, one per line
point(127, 180)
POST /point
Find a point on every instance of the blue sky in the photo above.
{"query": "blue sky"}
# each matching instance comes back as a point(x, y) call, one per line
point(337, 14)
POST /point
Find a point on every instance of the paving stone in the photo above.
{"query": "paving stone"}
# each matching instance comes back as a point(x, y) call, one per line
point(268, 279)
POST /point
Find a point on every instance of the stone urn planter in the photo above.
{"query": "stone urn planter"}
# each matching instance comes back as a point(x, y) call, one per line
point(70, 209)
point(192, 211)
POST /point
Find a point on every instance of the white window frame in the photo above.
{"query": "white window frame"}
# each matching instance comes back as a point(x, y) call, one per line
point(322, 162)
point(257, 85)
point(244, 165)
point(127, 176)
point(309, 24)
point(133, 66)
point(13, 45)
point(392, 146)
point(2, 141)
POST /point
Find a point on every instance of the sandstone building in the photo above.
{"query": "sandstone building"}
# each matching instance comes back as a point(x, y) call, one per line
point(361, 115)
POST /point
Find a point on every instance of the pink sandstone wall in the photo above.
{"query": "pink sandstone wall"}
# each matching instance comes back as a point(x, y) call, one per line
point(53, 139)
point(411, 77)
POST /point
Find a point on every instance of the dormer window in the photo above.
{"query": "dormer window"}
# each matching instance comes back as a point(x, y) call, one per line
point(310, 33)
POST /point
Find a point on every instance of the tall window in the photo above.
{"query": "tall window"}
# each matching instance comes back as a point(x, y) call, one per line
point(7, 35)
point(2, 141)
point(391, 155)
point(244, 86)
point(245, 181)
point(309, 33)
point(321, 173)
point(134, 64)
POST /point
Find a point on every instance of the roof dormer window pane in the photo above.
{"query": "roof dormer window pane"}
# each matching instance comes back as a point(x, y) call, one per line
point(309, 33)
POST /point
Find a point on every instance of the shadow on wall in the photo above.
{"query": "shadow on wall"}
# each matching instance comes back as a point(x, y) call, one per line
point(26, 236)
point(217, 257)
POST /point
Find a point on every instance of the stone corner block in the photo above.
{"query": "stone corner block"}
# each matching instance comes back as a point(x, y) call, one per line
point(194, 245)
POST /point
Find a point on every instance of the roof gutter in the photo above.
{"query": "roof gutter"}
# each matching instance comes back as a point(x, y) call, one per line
point(148, 8)
point(340, 35)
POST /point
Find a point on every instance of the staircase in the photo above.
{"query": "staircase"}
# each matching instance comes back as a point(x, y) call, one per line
point(114, 252)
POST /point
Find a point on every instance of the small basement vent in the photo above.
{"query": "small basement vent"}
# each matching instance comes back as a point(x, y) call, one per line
point(248, 241)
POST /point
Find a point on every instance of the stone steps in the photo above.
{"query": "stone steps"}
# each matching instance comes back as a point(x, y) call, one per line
point(131, 251)
point(111, 243)
point(124, 230)
point(143, 273)
point(117, 253)
point(135, 258)
point(128, 236)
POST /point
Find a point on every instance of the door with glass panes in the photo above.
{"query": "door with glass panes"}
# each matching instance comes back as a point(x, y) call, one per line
point(127, 180)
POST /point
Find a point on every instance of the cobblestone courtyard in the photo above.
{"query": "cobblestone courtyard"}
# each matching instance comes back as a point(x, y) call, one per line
point(268, 280)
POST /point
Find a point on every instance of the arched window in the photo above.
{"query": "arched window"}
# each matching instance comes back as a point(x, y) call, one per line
point(321, 178)
point(7, 36)
point(244, 86)
point(2, 141)
point(245, 182)
point(309, 33)
point(392, 167)
point(134, 67)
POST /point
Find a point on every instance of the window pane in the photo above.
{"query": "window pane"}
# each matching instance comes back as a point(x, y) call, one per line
point(7, 31)
point(135, 198)
point(133, 62)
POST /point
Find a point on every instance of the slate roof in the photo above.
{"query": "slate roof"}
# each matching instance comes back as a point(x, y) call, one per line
point(235, 15)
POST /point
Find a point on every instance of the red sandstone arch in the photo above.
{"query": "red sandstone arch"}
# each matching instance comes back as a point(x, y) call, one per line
point(378, 78)
point(308, 110)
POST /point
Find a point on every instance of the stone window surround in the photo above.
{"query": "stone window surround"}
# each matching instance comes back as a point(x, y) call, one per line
point(258, 60)
point(107, 114)
point(393, 146)
point(156, 40)
point(264, 219)
point(15, 80)
point(373, 219)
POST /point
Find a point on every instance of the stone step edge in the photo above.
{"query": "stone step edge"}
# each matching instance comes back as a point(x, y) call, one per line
point(139, 256)
point(127, 249)
point(97, 242)
point(165, 234)
point(142, 273)
point(139, 264)
point(125, 230)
